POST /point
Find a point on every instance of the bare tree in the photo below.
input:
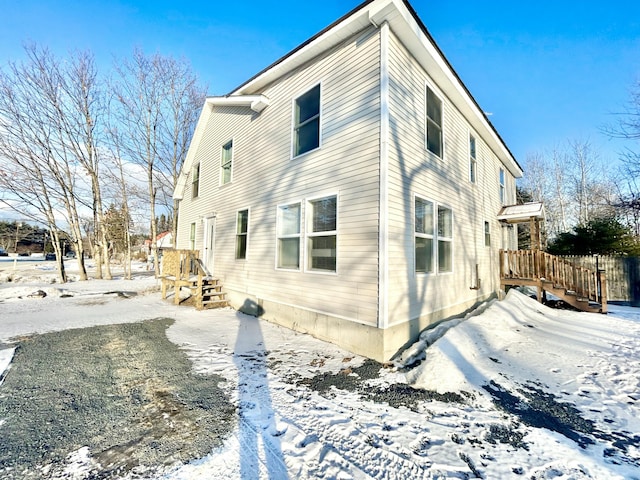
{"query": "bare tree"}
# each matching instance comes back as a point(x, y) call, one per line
point(157, 103)
point(35, 141)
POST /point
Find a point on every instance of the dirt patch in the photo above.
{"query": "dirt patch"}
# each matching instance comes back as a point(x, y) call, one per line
point(124, 391)
point(355, 380)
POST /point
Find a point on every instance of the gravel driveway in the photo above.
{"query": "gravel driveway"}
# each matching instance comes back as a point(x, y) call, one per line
point(124, 391)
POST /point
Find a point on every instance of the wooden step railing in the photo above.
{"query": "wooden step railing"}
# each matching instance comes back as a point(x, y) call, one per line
point(183, 268)
point(535, 267)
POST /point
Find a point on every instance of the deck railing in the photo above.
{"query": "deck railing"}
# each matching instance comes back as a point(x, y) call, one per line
point(532, 266)
point(182, 268)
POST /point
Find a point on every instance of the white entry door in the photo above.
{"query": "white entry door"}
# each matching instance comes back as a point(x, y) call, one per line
point(209, 243)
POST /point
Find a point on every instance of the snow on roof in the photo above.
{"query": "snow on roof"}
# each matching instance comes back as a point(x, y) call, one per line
point(521, 213)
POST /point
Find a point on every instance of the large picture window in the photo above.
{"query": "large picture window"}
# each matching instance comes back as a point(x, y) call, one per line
point(434, 123)
point(288, 226)
point(322, 234)
point(226, 162)
point(242, 230)
point(433, 237)
point(306, 134)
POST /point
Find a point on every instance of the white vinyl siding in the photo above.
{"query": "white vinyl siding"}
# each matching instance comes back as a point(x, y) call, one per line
point(265, 177)
point(413, 294)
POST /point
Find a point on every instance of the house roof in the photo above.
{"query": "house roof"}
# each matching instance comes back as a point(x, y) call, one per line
point(521, 213)
point(407, 26)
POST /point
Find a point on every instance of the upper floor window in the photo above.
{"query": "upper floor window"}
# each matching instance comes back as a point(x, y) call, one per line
point(473, 163)
point(226, 162)
point(502, 186)
point(306, 130)
point(242, 231)
point(195, 181)
point(434, 123)
point(288, 227)
point(433, 237)
point(322, 234)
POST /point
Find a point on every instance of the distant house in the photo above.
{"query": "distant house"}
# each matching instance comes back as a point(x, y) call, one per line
point(351, 189)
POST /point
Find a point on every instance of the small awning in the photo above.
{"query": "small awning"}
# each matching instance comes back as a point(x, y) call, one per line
point(521, 213)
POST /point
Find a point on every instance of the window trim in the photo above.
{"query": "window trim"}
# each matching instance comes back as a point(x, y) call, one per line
point(435, 237)
point(230, 163)
point(502, 180)
point(429, 86)
point(238, 234)
point(295, 126)
point(473, 159)
point(308, 233)
point(195, 181)
point(299, 235)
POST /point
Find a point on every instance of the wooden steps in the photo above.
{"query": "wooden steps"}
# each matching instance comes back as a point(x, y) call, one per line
point(572, 298)
point(183, 270)
point(580, 287)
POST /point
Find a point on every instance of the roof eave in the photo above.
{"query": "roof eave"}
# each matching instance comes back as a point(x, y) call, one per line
point(405, 24)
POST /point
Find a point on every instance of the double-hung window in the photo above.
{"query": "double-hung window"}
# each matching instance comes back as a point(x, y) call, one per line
point(445, 239)
point(433, 237)
point(306, 130)
point(434, 123)
point(242, 230)
point(424, 235)
point(473, 163)
point(192, 236)
point(288, 227)
point(502, 187)
point(195, 181)
point(322, 234)
point(226, 162)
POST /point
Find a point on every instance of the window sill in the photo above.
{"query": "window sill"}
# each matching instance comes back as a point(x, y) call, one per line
point(296, 157)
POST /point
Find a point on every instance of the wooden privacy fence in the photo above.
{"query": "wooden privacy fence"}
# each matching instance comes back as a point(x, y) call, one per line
point(623, 274)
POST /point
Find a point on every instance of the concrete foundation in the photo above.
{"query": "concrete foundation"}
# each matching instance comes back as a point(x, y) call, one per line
point(366, 340)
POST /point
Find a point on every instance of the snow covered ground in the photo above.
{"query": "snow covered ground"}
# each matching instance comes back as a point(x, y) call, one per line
point(515, 390)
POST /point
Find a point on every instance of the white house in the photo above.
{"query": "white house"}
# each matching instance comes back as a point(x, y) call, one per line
point(351, 189)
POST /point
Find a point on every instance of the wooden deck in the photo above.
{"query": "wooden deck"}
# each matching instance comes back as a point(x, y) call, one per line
point(182, 270)
point(578, 286)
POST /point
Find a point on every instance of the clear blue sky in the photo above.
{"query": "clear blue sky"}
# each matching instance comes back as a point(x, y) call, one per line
point(548, 71)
